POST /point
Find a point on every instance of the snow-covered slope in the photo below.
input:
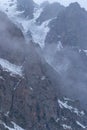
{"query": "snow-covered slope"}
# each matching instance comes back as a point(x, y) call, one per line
point(12, 68)
point(38, 32)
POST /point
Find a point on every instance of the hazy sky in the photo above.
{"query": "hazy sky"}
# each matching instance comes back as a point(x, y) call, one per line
point(83, 3)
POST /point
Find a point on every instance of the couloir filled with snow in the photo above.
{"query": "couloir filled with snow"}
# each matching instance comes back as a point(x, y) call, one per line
point(38, 32)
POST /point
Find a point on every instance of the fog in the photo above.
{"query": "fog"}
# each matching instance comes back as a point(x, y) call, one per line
point(11, 40)
point(64, 62)
point(83, 3)
point(69, 64)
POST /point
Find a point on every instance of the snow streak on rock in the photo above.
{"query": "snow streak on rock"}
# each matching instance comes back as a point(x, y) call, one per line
point(81, 125)
point(16, 127)
point(59, 46)
point(72, 109)
point(66, 127)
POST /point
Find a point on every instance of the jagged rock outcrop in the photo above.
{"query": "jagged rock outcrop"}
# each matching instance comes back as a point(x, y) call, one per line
point(71, 26)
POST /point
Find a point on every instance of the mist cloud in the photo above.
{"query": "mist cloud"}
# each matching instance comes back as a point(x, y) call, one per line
point(83, 3)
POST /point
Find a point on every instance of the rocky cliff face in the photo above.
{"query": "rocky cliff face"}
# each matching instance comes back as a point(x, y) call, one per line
point(30, 89)
point(24, 86)
point(66, 27)
point(65, 50)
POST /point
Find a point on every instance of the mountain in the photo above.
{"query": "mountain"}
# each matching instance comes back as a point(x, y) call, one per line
point(65, 50)
point(26, 91)
point(40, 88)
point(50, 11)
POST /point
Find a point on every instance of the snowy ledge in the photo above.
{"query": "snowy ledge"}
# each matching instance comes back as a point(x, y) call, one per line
point(9, 67)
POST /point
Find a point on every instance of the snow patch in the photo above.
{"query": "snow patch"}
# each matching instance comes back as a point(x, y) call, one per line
point(7, 113)
point(66, 127)
point(16, 127)
point(64, 119)
point(39, 33)
point(7, 66)
point(85, 52)
point(68, 99)
point(31, 88)
point(37, 12)
point(43, 78)
point(59, 46)
point(2, 78)
point(57, 120)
